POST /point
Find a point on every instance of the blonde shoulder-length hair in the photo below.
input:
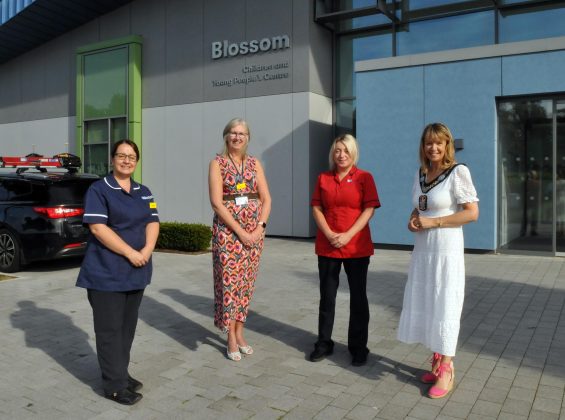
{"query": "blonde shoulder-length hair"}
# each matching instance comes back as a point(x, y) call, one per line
point(350, 144)
point(229, 126)
point(440, 131)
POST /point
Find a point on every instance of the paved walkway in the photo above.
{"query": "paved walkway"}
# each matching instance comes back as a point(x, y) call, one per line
point(510, 365)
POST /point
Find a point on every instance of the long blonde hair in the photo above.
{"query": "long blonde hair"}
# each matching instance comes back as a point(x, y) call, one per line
point(442, 132)
point(231, 124)
point(350, 144)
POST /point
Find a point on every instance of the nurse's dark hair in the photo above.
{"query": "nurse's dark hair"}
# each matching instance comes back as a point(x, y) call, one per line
point(129, 143)
point(442, 132)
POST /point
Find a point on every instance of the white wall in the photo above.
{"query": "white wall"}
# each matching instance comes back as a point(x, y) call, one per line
point(179, 142)
point(50, 136)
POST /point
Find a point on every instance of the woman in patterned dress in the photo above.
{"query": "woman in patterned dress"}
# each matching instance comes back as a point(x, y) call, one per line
point(444, 199)
point(240, 198)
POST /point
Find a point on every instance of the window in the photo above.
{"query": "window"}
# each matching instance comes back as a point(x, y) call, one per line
point(108, 100)
point(533, 25)
point(469, 30)
point(16, 190)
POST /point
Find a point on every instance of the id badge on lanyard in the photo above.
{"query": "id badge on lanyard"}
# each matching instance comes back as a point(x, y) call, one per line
point(241, 200)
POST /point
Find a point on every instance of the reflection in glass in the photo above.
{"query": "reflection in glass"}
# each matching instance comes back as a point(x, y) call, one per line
point(105, 83)
point(469, 30)
point(419, 4)
point(97, 143)
point(532, 25)
point(560, 179)
point(364, 21)
point(526, 175)
point(350, 50)
point(96, 132)
point(345, 117)
point(118, 129)
point(96, 159)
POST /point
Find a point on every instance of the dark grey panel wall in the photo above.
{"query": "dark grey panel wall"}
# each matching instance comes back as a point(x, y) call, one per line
point(10, 92)
point(177, 64)
point(185, 50)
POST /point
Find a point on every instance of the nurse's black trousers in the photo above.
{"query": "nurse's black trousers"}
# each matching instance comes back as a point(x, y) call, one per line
point(115, 319)
point(356, 270)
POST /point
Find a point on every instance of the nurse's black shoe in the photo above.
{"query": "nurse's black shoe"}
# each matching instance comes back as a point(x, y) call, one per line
point(359, 359)
point(320, 353)
point(133, 384)
point(124, 396)
point(359, 356)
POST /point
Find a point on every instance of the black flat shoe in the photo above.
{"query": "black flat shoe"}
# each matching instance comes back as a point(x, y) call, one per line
point(124, 396)
point(133, 384)
point(320, 354)
point(359, 360)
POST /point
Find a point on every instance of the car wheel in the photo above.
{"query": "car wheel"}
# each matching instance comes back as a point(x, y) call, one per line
point(9, 252)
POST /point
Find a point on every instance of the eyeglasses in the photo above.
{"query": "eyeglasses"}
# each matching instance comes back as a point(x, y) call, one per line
point(233, 134)
point(123, 156)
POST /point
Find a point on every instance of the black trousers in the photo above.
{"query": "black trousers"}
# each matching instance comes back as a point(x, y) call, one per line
point(356, 270)
point(115, 319)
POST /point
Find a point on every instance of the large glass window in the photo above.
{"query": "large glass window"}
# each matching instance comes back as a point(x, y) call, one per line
point(426, 26)
point(515, 27)
point(345, 116)
point(99, 136)
point(108, 100)
point(362, 21)
point(560, 177)
point(419, 4)
point(469, 30)
point(351, 49)
point(105, 83)
point(105, 108)
point(526, 174)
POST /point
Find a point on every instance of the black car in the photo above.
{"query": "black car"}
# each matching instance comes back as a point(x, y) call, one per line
point(41, 212)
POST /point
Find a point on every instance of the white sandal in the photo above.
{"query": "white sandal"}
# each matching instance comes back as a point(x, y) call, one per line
point(246, 349)
point(235, 356)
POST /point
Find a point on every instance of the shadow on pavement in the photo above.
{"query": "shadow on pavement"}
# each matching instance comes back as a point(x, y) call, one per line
point(55, 334)
point(178, 327)
point(292, 336)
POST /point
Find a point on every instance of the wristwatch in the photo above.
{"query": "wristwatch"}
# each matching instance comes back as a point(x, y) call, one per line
point(263, 224)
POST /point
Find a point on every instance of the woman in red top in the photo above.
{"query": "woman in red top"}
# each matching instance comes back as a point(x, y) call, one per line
point(344, 201)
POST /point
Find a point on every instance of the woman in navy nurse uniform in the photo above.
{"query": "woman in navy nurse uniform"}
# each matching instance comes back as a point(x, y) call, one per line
point(123, 219)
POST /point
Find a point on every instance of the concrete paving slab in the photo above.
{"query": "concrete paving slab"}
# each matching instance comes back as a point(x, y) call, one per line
point(509, 365)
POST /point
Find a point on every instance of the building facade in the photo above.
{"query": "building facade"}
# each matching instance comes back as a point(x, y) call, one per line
point(78, 75)
point(170, 75)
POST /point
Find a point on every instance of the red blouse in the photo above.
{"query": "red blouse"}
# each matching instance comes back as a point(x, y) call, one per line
point(342, 203)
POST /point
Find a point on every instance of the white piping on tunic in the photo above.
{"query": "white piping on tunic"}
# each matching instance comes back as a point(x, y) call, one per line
point(114, 188)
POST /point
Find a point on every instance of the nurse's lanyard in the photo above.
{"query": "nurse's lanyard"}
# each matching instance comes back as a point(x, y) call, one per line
point(240, 183)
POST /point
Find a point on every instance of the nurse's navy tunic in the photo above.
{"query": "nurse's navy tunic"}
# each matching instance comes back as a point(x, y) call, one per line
point(127, 214)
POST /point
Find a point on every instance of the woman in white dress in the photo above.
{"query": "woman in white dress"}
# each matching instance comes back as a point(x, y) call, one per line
point(444, 199)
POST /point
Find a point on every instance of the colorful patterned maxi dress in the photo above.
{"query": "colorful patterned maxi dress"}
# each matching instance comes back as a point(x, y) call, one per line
point(235, 265)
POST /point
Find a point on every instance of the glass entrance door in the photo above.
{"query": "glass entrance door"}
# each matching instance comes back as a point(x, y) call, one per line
point(560, 177)
point(526, 174)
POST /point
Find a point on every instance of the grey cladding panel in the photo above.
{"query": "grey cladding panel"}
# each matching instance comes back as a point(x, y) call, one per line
point(267, 20)
point(185, 51)
point(116, 24)
point(222, 21)
point(148, 20)
point(11, 98)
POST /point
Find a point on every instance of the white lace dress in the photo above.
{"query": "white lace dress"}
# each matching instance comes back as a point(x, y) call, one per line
point(433, 297)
